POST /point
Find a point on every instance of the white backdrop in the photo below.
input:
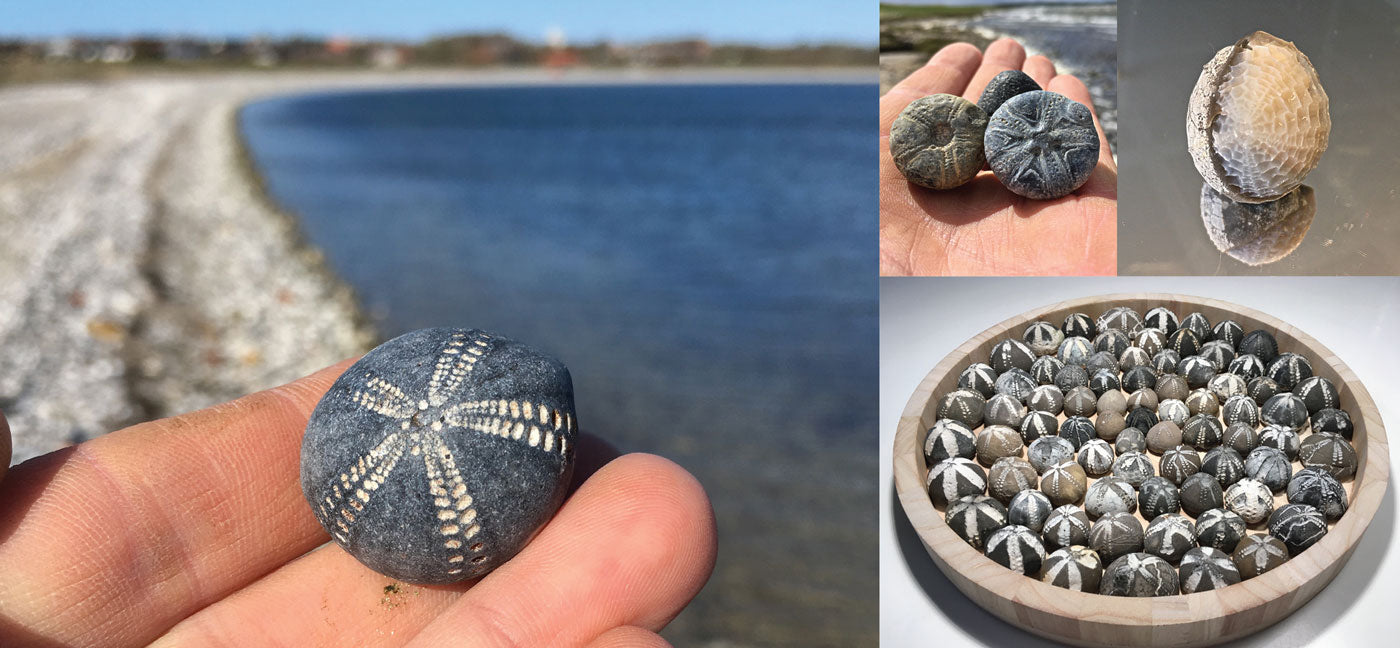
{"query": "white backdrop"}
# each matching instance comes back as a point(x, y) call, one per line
point(921, 320)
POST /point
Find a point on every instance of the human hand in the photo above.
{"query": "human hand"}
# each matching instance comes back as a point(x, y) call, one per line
point(193, 531)
point(982, 227)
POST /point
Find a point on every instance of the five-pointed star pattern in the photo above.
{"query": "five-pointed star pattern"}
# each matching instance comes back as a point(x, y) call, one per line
point(1140, 572)
point(947, 439)
point(1109, 495)
point(1017, 548)
point(1067, 567)
point(1169, 536)
point(422, 424)
point(955, 478)
point(973, 515)
point(1264, 551)
point(1205, 568)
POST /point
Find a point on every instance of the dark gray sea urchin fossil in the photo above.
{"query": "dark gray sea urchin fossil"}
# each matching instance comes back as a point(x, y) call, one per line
point(1042, 145)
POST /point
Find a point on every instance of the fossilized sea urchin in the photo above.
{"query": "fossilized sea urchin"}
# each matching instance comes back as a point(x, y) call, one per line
point(1257, 122)
point(936, 141)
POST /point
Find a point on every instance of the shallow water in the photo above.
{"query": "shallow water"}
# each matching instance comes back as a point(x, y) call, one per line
point(1353, 46)
point(695, 254)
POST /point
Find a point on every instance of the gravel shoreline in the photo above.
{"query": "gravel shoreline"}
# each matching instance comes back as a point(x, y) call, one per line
point(143, 270)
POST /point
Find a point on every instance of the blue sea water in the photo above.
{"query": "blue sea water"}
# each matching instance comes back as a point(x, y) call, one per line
point(702, 257)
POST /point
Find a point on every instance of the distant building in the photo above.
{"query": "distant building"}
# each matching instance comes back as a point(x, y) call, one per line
point(386, 56)
point(60, 48)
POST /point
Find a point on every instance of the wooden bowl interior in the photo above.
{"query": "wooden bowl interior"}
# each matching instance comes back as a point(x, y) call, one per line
point(1196, 619)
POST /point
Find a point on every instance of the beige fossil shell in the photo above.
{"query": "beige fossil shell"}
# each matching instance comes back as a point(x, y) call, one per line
point(1257, 122)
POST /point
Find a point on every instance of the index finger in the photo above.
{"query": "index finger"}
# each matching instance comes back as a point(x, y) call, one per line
point(947, 72)
point(1002, 55)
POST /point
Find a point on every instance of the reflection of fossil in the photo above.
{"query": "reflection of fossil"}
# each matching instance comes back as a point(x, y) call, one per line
point(1257, 121)
point(1258, 233)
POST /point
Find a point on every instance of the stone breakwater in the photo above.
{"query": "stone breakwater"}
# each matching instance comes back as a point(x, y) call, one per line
point(142, 271)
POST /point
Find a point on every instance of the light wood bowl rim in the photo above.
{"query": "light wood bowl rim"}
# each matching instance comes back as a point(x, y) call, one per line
point(1162, 620)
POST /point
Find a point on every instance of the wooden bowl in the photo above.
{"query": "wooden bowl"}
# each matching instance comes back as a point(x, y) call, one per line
point(1085, 619)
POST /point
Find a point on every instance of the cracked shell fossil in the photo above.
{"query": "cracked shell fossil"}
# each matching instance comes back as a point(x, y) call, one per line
point(1257, 121)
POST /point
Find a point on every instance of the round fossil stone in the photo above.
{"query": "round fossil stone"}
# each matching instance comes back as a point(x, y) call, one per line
point(1143, 398)
point(1206, 568)
point(1202, 401)
point(1158, 496)
point(1112, 341)
point(1162, 319)
point(937, 141)
point(1286, 410)
point(1113, 401)
point(1130, 440)
point(1299, 526)
point(1046, 398)
point(1042, 145)
point(1202, 431)
point(436, 456)
point(1078, 430)
point(1109, 424)
point(1179, 463)
point(1102, 361)
point(1079, 325)
point(1174, 411)
point(1282, 438)
point(1196, 370)
point(1229, 332)
point(1330, 452)
point(1004, 410)
point(1258, 553)
point(1076, 568)
point(1016, 548)
point(1011, 475)
point(1066, 526)
point(1218, 352)
point(1122, 318)
point(949, 438)
point(1064, 483)
point(1134, 357)
point(1318, 393)
point(1201, 492)
point(1037, 425)
point(1152, 341)
point(1003, 86)
point(1247, 366)
point(997, 442)
point(1141, 377)
point(1333, 420)
point(974, 518)
point(1165, 361)
point(1184, 343)
point(1081, 401)
point(963, 405)
point(1134, 467)
point(1139, 574)
point(1029, 508)
point(1226, 386)
point(953, 479)
point(1116, 534)
point(1241, 437)
point(1246, 139)
point(1251, 500)
point(1016, 384)
point(1070, 377)
point(1011, 353)
point(1042, 337)
point(979, 377)
point(1318, 488)
point(1198, 325)
point(1096, 457)
point(1046, 370)
point(1169, 536)
point(1269, 465)
point(1220, 528)
point(1261, 389)
point(1048, 451)
point(1172, 386)
point(1110, 495)
point(1223, 463)
point(1075, 350)
point(1290, 369)
point(1142, 418)
point(1260, 344)
point(1240, 408)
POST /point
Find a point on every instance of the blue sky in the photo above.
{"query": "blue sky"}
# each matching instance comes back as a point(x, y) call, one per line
point(765, 21)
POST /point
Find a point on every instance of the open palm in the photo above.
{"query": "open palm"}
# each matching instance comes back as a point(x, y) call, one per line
point(982, 228)
point(192, 531)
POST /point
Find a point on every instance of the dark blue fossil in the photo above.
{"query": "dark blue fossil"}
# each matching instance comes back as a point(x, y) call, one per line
point(1042, 144)
point(1005, 86)
point(440, 453)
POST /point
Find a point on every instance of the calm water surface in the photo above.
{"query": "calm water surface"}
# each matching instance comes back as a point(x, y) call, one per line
point(700, 257)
